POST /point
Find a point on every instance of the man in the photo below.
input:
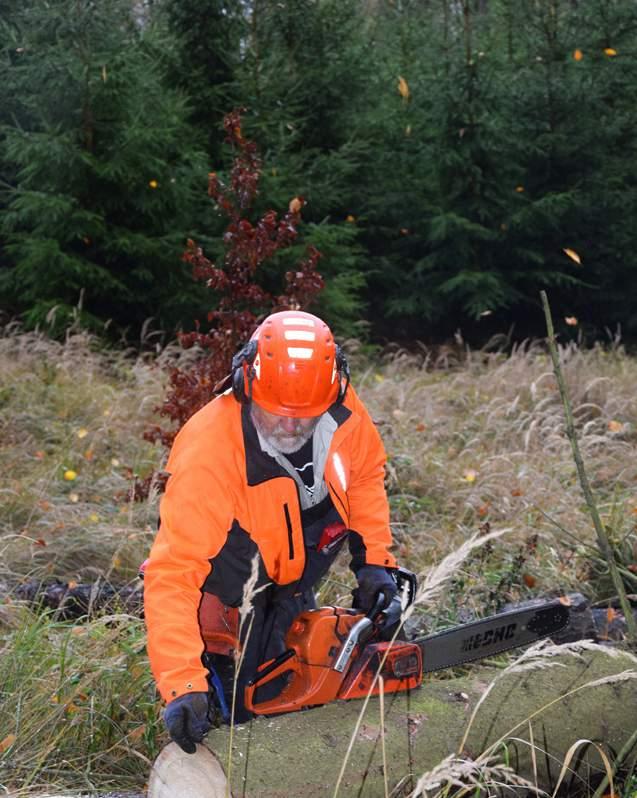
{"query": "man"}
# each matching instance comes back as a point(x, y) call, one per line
point(278, 472)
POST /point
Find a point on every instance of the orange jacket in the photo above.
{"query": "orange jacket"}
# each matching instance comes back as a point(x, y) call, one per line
point(224, 502)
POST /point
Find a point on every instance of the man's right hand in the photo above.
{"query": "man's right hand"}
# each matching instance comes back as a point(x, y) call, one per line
point(187, 719)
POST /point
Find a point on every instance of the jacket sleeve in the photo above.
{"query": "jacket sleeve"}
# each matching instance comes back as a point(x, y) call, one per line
point(196, 513)
point(368, 505)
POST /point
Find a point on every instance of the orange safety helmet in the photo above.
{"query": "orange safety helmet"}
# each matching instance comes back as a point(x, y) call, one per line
point(291, 366)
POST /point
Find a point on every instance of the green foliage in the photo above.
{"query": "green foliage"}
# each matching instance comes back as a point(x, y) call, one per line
point(511, 137)
point(102, 175)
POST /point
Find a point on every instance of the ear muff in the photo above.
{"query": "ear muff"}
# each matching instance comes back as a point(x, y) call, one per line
point(245, 356)
point(343, 373)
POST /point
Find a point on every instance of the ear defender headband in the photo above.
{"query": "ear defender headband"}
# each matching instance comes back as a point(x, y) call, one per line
point(247, 355)
point(342, 370)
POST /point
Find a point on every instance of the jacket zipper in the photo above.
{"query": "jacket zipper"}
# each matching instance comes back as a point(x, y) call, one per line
point(288, 522)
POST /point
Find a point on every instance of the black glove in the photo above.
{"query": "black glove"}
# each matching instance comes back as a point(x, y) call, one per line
point(372, 580)
point(188, 718)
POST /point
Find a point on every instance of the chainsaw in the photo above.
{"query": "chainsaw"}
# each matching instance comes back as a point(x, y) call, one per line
point(336, 653)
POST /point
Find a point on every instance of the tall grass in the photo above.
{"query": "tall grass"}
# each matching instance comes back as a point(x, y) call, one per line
point(476, 443)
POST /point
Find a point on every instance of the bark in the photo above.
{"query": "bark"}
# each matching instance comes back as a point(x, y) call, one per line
point(300, 754)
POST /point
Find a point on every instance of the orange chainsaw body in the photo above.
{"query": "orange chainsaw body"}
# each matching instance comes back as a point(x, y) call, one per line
point(314, 642)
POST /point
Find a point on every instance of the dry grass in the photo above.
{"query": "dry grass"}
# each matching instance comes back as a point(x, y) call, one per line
point(476, 443)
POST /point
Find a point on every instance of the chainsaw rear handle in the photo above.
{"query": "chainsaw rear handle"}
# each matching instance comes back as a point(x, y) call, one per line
point(272, 669)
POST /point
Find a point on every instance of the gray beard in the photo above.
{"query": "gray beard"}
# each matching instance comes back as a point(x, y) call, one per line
point(288, 448)
point(275, 443)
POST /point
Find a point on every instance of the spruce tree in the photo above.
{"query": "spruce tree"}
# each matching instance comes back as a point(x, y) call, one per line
point(101, 179)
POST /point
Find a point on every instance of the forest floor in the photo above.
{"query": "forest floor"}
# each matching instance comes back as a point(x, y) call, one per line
point(475, 440)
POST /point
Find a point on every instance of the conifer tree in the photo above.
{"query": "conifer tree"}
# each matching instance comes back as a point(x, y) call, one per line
point(100, 176)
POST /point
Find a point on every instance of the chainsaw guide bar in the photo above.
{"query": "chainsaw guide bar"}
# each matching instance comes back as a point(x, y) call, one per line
point(490, 636)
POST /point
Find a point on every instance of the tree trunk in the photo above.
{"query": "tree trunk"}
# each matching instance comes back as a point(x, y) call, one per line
point(301, 754)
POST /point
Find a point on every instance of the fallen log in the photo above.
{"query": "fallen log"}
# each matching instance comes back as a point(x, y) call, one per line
point(586, 694)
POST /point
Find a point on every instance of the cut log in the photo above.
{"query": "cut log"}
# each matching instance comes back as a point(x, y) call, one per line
point(300, 754)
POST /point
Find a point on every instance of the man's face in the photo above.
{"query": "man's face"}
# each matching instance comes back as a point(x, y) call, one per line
point(283, 433)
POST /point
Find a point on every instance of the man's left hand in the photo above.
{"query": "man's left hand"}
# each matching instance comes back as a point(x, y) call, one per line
point(372, 580)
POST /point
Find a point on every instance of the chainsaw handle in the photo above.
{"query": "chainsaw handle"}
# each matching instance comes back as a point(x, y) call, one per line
point(269, 668)
point(378, 606)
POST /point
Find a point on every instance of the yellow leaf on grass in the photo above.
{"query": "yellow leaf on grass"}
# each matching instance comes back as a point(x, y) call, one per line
point(70, 475)
point(610, 52)
point(403, 87)
point(7, 742)
point(379, 378)
point(572, 255)
point(82, 433)
point(469, 475)
point(615, 426)
point(152, 184)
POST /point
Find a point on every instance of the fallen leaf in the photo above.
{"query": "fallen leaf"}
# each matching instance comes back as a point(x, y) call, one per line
point(469, 475)
point(351, 219)
point(517, 492)
point(7, 742)
point(153, 183)
point(615, 426)
point(483, 510)
point(70, 475)
point(114, 461)
point(40, 542)
point(610, 51)
point(421, 427)
point(71, 584)
point(94, 517)
point(295, 205)
point(403, 88)
point(578, 55)
point(74, 498)
point(529, 580)
point(611, 614)
point(572, 255)
point(44, 505)
point(88, 455)
point(39, 455)
point(82, 433)
point(379, 378)
point(571, 321)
